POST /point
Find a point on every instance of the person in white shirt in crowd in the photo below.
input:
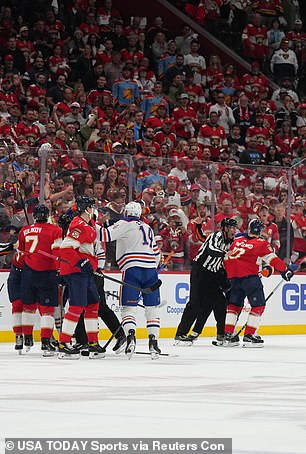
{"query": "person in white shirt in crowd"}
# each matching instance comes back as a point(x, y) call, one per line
point(226, 117)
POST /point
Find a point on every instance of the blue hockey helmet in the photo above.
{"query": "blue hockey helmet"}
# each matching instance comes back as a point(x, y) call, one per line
point(255, 227)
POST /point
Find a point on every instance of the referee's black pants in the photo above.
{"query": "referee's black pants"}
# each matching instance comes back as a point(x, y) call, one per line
point(105, 313)
point(205, 297)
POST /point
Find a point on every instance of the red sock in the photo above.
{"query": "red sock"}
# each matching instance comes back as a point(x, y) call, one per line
point(70, 322)
point(17, 317)
point(91, 322)
point(231, 318)
point(28, 318)
point(46, 321)
point(254, 319)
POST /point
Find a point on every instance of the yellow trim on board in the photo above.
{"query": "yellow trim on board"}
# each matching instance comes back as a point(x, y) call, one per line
point(104, 334)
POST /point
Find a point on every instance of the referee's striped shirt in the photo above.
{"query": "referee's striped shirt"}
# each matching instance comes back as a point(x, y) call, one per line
point(212, 252)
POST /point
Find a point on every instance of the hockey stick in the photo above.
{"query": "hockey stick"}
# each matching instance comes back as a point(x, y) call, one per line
point(161, 354)
point(140, 305)
point(147, 290)
point(112, 336)
point(167, 259)
point(300, 268)
point(1, 287)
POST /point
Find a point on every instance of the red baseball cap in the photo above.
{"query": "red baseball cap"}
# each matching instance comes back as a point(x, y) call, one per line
point(195, 187)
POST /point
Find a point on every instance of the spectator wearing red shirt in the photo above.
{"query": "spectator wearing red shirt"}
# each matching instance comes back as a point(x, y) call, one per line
point(6, 93)
point(195, 94)
point(213, 136)
point(261, 132)
point(257, 197)
point(77, 162)
point(132, 54)
point(106, 13)
point(204, 219)
point(270, 232)
point(299, 227)
point(165, 134)
point(156, 121)
point(253, 81)
point(283, 138)
point(24, 44)
point(175, 237)
point(241, 205)
point(221, 195)
point(255, 40)
point(227, 211)
point(90, 25)
point(27, 125)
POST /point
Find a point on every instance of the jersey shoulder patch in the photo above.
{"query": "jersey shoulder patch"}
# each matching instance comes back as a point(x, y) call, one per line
point(76, 233)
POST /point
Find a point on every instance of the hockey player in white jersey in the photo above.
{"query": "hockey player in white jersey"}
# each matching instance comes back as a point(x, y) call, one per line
point(138, 257)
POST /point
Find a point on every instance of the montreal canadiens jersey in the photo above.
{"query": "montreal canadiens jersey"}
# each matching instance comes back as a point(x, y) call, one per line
point(40, 237)
point(80, 243)
point(135, 243)
point(246, 254)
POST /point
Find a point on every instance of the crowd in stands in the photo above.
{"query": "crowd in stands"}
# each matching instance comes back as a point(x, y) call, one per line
point(128, 111)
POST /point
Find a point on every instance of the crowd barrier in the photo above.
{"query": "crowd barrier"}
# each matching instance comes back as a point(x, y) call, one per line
point(285, 312)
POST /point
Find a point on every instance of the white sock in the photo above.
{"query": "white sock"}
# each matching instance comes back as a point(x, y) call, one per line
point(153, 320)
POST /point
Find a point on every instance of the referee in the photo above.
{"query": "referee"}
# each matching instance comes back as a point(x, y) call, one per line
point(208, 282)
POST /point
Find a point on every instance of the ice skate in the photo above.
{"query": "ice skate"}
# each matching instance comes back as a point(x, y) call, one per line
point(47, 348)
point(65, 351)
point(193, 336)
point(233, 341)
point(153, 347)
point(120, 344)
point(252, 341)
point(219, 341)
point(182, 340)
point(28, 342)
point(19, 344)
point(82, 348)
point(95, 350)
point(130, 344)
point(54, 343)
point(230, 340)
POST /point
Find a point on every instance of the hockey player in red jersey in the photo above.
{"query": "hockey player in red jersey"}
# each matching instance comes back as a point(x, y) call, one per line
point(39, 276)
point(80, 262)
point(242, 266)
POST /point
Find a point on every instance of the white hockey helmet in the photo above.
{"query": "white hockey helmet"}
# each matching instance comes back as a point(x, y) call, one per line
point(133, 209)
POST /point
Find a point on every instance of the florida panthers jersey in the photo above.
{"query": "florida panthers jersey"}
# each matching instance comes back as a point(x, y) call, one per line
point(80, 243)
point(37, 237)
point(135, 243)
point(246, 254)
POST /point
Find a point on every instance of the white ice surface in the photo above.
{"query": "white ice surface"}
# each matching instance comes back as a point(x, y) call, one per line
point(257, 397)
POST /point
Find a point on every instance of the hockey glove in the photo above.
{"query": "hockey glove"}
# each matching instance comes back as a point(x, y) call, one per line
point(85, 266)
point(267, 271)
point(287, 274)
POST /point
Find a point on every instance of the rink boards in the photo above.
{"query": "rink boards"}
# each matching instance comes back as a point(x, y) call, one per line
point(285, 312)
